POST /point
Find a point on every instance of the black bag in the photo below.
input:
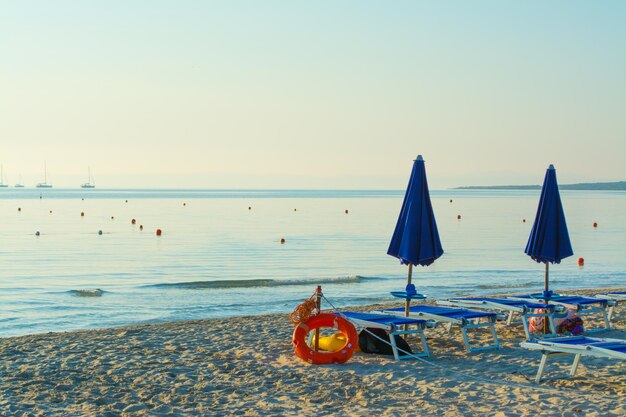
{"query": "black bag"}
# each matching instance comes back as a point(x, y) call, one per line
point(372, 344)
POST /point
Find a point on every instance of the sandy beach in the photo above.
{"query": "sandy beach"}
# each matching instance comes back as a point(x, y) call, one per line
point(246, 366)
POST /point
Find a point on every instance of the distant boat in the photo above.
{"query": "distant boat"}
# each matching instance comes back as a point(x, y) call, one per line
point(2, 184)
point(89, 183)
point(19, 184)
point(44, 184)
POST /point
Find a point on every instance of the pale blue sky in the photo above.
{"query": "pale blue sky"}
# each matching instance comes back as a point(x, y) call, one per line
point(325, 94)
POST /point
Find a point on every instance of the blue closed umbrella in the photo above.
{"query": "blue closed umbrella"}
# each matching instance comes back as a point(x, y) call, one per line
point(549, 240)
point(415, 240)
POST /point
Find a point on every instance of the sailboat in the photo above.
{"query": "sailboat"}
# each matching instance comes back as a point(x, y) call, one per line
point(44, 184)
point(19, 184)
point(89, 183)
point(2, 184)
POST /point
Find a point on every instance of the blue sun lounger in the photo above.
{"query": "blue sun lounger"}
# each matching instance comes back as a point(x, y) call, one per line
point(577, 346)
point(465, 319)
point(583, 306)
point(392, 324)
point(616, 297)
point(525, 308)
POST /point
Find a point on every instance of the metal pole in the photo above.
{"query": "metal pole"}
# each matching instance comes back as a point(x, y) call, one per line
point(408, 300)
point(318, 304)
point(546, 294)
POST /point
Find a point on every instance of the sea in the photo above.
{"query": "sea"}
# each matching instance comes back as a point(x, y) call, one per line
point(74, 259)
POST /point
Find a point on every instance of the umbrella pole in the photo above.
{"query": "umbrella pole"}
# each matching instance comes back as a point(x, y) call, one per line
point(545, 292)
point(408, 300)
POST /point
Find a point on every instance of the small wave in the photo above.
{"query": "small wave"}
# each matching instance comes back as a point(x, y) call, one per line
point(87, 293)
point(498, 286)
point(260, 283)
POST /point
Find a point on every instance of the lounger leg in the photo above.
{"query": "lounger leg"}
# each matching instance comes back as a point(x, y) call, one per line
point(496, 341)
point(607, 318)
point(424, 344)
point(510, 319)
point(542, 367)
point(466, 339)
point(610, 316)
point(525, 323)
point(449, 327)
point(572, 371)
point(394, 347)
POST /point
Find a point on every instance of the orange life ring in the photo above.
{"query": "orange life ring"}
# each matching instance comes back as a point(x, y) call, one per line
point(304, 351)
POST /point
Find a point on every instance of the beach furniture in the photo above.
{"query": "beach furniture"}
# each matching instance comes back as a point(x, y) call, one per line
point(577, 346)
point(465, 319)
point(392, 324)
point(525, 308)
point(616, 297)
point(584, 306)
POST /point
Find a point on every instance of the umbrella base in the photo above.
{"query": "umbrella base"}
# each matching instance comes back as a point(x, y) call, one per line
point(408, 296)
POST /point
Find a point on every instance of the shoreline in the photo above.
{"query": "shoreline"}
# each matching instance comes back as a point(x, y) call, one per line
point(360, 307)
point(246, 366)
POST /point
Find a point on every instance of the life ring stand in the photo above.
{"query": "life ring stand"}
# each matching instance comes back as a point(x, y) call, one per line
point(308, 354)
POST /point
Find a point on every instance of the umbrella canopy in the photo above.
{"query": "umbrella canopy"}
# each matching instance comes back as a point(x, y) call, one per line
point(549, 240)
point(415, 240)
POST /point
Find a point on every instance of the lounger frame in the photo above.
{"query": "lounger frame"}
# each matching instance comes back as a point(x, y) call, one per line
point(581, 309)
point(525, 311)
point(464, 324)
point(615, 298)
point(408, 327)
point(551, 347)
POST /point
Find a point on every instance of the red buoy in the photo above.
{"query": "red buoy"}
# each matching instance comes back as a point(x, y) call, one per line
point(581, 261)
point(595, 224)
point(158, 232)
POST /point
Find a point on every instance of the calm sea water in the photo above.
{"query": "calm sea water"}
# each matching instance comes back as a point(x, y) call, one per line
point(218, 258)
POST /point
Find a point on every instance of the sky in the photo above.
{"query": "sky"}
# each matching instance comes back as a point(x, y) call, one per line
point(324, 94)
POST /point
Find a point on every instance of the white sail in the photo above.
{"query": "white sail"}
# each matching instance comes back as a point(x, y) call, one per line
point(89, 183)
point(44, 184)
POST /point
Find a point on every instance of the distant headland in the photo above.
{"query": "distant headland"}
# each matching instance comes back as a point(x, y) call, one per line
point(593, 186)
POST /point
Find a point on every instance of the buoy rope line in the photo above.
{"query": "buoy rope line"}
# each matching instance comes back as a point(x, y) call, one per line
point(467, 375)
